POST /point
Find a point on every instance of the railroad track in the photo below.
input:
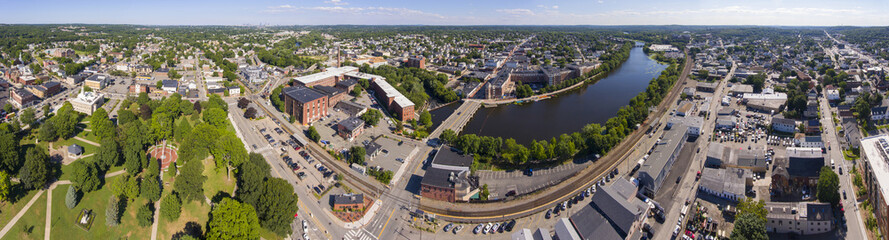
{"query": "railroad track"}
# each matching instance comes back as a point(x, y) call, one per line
point(583, 179)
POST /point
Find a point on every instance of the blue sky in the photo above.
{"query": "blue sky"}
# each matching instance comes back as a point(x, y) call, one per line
point(450, 12)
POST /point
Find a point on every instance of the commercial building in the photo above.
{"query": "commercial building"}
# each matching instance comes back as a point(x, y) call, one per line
point(60, 52)
point(613, 213)
point(397, 104)
point(87, 102)
point(707, 87)
point(350, 128)
point(500, 87)
point(97, 81)
point(800, 170)
point(348, 202)
point(728, 183)
point(784, 125)
point(565, 230)
point(875, 156)
point(170, 86)
point(305, 104)
point(138, 88)
point(447, 178)
point(804, 218)
point(47, 89)
point(19, 98)
point(254, 74)
point(655, 169)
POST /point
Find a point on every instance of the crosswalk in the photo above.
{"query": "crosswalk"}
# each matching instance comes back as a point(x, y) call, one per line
point(359, 234)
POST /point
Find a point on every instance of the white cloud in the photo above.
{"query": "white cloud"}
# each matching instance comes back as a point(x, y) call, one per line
point(356, 11)
point(555, 6)
point(516, 11)
point(337, 2)
point(600, 1)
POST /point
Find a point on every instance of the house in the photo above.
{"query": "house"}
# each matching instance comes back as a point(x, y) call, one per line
point(170, 86)
point(803, 218)
point(350, 128)
point(234, 90)
point(832, 93)
point(811, 109)
point(348, 202)
point(728, 183)
point(784, 125)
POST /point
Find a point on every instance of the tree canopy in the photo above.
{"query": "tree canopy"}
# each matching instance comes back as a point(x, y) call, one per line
point(231, 219)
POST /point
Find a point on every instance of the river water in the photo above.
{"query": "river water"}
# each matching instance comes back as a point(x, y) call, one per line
point(569, 111)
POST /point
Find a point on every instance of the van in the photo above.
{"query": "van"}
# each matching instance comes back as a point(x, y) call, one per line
point(832, 164)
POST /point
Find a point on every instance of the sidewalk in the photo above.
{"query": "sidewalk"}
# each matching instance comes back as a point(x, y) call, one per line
point(366, 218)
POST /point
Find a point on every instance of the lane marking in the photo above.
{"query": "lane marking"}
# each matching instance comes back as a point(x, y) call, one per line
point(387, 223)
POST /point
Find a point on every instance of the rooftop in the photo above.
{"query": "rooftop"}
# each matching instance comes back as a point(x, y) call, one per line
point(352, 123)
point(348, 199)
point(329, 72)
point(302, 94)
point(391, 92)
point(874, 150)
point(729, 180)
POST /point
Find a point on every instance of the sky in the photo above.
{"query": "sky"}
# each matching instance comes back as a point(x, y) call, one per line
point(450, 12)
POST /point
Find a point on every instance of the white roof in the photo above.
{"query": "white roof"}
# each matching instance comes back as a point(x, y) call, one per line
point(875, 153)
point(330, 72)
point(390, 91)
point(88, 97)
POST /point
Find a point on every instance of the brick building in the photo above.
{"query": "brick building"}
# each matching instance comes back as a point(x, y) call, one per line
point(447, 178)
point(329, 77)
point(350, 128)
point(417, 62)
point(305, 104)
point(348, 202)
point(397, 104)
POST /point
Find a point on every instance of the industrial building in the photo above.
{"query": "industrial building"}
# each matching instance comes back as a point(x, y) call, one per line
point(447, 178)
point(305, 104)
point(652, 173)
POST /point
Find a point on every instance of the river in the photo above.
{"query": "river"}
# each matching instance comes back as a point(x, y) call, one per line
point(569, 111)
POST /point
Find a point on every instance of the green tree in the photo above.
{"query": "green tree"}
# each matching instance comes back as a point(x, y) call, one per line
point(46, 110)
point(313, 134)
point(71, 197)
point(828, 186)
point(231, 219)
point(251, 178)
point(182, 131)
point(108, 154)
point(161, 126)
point(171, 206)
point(5, 186)
point(125, 116)
point(47, 132)
point(228, 152)
point(426, 119)
point(118, 185)
point(112, 211)
point(215, 117)
point(356, 154)
point(276, 206)
point(186, 107)
point(190, 182)
point(749, 226)
point(448, 136)
point(9, 152)
point(36, 172)
point(86, 176)
point(371, 117)
point(151, 189)
point(101, 125)
point(28, 116)
point(145, 215)
point(132, 189)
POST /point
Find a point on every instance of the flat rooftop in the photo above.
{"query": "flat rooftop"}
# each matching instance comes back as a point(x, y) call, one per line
point(329, 72)
point(874, 151)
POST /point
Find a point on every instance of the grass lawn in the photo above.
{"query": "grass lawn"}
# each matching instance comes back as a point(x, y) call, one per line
point(195, 213)
point(87, 148)
point(216, 180)
point(64, 227)
point(32, 224)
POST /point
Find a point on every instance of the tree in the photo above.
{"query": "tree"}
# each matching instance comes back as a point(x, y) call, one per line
point(118, 185)
point(145, 215)
point(86, 176)
point(215, 117)
point(276, 206)
point(190, 182)
point(151, 189)
point(426, 119)
point(250, 113)
point(197, 106)
point(5, 186)
point(356, 154)
point(71, 197)
point(229, 152)
point(161, 126)
point(749, 227)
point(313, 134)
point(182, 131)
point(145, 111)
point(251, 178)
point(46, 110)
point(125, 116)
point(185, 107)
point(371, 117)
point(101, 125)
point(448, 135)
point(112, 211)
point(231, 219)
point(47, 132)
point(131, 190)
point(243, 103)
point(828, 186)
point(8, 108)
point(36, 172)
point(9, 152)
point(108, 154)
point(28, 116)
point(171, 206)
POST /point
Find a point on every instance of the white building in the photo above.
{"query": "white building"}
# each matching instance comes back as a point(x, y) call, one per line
point(802, 218)
point(87, 102)
point(833, 94)
point(784, 125)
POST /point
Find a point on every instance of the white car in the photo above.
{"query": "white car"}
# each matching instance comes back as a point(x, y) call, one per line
point(478, 228)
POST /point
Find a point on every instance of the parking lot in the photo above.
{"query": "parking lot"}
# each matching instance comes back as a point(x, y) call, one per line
point(503, 184)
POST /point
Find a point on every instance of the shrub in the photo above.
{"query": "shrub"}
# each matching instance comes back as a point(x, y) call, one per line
point(71, 198)
point(112, 211)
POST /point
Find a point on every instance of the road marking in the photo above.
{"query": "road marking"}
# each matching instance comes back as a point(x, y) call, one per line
point(387, 223)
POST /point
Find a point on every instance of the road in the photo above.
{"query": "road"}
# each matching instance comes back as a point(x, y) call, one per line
point(854, 224)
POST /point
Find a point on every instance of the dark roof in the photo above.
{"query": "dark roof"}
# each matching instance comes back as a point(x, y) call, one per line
point(450, 157)
point(813, 123)
point(171, 83)
point(162, 70)
point(610, 215)
point(302, 94)
point(805, 167)
point(783, 121)
point(751, 158)
point(590, 223)
point(330, 91)
point(372, 147)
point(50, 84)
point(438, 177)
point(75, 149)
point(352, 123)
point(346, 83)
point(348, 199)
point(812, 139)
point(819, 212)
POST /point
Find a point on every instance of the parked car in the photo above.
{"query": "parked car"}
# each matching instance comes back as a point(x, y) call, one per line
point(448, 227)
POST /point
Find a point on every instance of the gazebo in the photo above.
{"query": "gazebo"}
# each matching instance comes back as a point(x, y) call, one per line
point(74, 150)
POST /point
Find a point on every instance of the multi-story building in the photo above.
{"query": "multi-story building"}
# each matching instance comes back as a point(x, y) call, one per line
point(875, 156)
point(804, 218)
point(500, 87)
point(329, 77)
point(447, 178)
point(397, 104)
point(87, 102)
point(417, 62)
point(350, 128)
point(138, 88)
point(653, 173)
point(784, 125)
point(19, 98)
point(47, 89)
point(60, 52)
point(97, 81)
point(304, 104)
point(254, 74)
